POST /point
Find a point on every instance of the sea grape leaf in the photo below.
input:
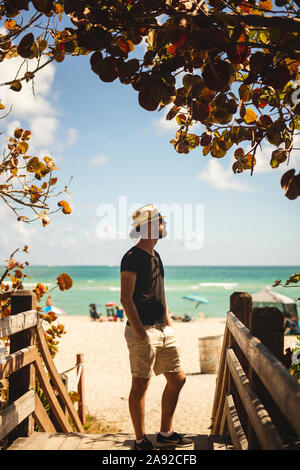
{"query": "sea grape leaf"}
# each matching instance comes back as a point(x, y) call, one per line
point(65, 207)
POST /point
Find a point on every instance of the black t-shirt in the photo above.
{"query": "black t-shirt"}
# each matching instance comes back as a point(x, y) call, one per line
point(149, 292)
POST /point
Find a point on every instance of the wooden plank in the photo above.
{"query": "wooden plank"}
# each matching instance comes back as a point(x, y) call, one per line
point(18, 444)
point(13, 362)
point(72, 442)
point(219, 390)
point(15, 413)
point(259, 417)
point(16, 323)
point(23, 303)
point(220, 409)
point(41, 417)
point(93, 441)
point(284, 389)
point(234, 425)
point(81, 389)
point(221, 443)
point(55, 377)
point(55, 441)
point(223, 422)
point(241, 307)
point(266, 324)
point(52, 400)
point(37, 441)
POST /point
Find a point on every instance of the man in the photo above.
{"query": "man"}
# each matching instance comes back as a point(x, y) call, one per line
point(150, 338)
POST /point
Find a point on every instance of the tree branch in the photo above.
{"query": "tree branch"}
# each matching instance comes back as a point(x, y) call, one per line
point(7, 270)
point(285, 24)
point(24, 78)
point(44, 206)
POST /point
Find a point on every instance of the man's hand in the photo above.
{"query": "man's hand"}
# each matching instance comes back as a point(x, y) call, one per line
point(142, 335)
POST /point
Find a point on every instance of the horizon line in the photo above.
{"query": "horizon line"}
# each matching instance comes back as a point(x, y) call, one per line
point(174, 265)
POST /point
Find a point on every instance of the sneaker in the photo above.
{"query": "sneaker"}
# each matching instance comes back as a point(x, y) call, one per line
point(175, 440)
point(144, 445)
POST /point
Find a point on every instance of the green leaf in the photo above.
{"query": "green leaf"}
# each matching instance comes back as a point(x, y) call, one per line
point(295, 277)
point(263, 37)
point(172, 113)
point(296, 123)
point(193, 141)
point(239, 153)
point(216, 150)
point(244, 92)
point(278, 156)
point(181, 119)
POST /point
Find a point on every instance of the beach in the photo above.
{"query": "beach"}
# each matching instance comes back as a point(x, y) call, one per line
point(108, 379)
point(107, 373)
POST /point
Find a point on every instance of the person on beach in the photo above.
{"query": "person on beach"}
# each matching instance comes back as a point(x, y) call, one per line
point(149, 335)
point(119, 313)
point(93, 312)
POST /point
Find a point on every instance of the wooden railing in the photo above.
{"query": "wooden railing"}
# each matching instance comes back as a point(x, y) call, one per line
point(257, 400)
point(29, 359)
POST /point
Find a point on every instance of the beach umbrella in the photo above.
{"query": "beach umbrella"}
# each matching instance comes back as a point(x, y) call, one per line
point(196, 298)
point(46, 309)
point(57, 310)
point(111, 304)
point(52, 308)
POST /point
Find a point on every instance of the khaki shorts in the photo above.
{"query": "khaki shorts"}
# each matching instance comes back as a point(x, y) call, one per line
point(158, 351)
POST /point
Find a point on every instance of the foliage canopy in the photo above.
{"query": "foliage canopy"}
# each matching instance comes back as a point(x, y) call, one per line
point(231, 66)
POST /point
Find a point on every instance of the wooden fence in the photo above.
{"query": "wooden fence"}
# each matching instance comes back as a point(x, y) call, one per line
point(29, 359)
point(257, 400)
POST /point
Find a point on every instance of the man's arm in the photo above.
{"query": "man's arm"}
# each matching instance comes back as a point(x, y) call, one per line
point(128, 279)
point(168, 316)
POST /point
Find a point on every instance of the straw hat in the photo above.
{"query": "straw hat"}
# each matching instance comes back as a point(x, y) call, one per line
point(144, 214)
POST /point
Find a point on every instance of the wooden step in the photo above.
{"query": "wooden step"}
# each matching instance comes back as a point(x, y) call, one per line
point(118, 441)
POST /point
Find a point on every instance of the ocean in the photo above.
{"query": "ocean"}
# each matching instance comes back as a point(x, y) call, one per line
point(101, 284)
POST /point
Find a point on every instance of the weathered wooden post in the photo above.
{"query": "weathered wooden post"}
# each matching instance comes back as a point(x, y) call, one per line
point(64, 379)
point(80, 388)
point(52, 417)
point(241, 306)
point(24, 379)
point(267, 324)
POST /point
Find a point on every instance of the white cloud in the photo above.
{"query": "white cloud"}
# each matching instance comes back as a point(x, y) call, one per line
point(12, 126)
point(71, 137)
point(26, 103)
point(14, 234)
point(162, 126)
point(263, 157)
point(99, 160)
point(35, 107)
point(222, 178)
point(43, 130)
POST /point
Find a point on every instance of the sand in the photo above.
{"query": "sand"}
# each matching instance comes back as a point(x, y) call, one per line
point(107, 373)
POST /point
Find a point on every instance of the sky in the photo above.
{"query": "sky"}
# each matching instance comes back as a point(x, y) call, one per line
point(120, 157)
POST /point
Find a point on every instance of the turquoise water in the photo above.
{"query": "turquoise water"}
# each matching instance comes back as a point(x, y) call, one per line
point(101, 284)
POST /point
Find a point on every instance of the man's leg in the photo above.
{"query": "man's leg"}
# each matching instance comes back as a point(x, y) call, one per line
point(137, 405)
point(175, 382)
